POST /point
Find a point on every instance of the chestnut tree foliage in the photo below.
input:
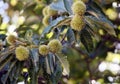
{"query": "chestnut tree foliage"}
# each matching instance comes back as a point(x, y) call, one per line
point(59, 39)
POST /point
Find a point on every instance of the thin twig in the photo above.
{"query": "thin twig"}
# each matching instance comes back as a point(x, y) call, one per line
point(9, 50)
point(63, 38)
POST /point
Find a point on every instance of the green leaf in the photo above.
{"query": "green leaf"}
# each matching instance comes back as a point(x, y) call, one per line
point(101, 23)
point(95, 7)
point(70, 35)
point(44, 70)
point(68, 4)
point(93, 31)
point(56, 76)
point(6, 52)
point(33, 76)
point(108, 26)
point(48, 70)
point(64, 62)
point(35, 59)
point(58, 71)
point(58, 5)
point(51, 60)
point(16, 72)
point(53, 24)
point(3, 58)
point(34, 67)
point(101, 50)
point(6, 61)
point(4, 80)
point(86, 40)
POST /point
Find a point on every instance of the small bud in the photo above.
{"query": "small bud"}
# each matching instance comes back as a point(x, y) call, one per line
point(55, 45)
point(44, 11)
point(29, 33)
point(45, 20)
point(77, 22)
point(78, 7)
point(22, 53)
point(51, 12)
point(43, 49)
point(11, 39)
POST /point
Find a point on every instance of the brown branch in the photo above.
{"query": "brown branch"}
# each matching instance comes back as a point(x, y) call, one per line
point(63, 38)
